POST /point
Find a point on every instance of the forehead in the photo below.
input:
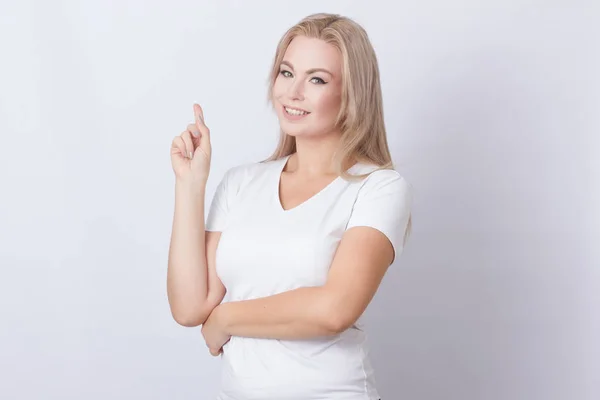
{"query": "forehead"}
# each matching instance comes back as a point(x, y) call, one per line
point(306, 53)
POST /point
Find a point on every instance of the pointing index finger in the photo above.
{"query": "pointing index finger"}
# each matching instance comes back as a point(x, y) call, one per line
point(199, 114)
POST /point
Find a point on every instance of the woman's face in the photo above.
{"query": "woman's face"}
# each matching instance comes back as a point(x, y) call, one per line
point(307, 92)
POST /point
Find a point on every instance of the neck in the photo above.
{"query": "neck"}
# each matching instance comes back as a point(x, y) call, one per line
point(314, 157)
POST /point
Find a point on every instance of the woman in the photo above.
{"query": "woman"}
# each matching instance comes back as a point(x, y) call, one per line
point(294, 247)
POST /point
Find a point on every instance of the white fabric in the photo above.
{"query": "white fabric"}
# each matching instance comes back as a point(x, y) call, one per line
point(265, 250)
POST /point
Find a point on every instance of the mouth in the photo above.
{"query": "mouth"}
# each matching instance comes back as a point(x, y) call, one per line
point(295, 112)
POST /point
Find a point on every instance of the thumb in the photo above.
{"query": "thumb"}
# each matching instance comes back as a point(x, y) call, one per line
point(202, 150)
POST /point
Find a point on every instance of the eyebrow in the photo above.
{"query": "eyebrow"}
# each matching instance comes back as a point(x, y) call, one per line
point(310, 71)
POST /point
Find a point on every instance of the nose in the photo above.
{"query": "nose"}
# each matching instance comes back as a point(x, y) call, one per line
point(296, 90)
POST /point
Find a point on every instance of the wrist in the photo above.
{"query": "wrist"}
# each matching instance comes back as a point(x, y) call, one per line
point(190, 187)
point(223, 317)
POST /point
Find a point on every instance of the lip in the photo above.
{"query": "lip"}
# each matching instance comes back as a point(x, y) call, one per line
point(291, 117)
point(295, 108)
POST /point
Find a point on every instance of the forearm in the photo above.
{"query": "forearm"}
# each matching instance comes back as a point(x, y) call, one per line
point(301, 313)
point(187, 274)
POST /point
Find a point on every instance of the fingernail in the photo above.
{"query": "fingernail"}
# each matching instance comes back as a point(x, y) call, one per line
point(191, 155)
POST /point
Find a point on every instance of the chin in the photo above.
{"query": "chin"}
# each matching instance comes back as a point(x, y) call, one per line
point(294, 131)
point(303, 131)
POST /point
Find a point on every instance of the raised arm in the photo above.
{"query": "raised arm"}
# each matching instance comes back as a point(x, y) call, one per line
point(193, 287)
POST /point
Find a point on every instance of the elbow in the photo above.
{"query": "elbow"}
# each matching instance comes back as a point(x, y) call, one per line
point(189, 321)
point(189, 318)
point(337, 320)
point(337, 323)
point(195, 316)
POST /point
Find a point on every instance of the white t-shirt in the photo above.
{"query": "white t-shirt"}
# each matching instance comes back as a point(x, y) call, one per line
point(265, 250)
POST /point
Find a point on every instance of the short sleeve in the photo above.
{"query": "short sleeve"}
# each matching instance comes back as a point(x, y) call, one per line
point(384, 202)
point(222, 201)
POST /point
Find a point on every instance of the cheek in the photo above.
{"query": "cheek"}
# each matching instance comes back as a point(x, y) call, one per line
point(327, 104)
point(278, 89)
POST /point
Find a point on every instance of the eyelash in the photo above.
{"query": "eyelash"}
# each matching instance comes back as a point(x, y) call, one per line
point(322, 82)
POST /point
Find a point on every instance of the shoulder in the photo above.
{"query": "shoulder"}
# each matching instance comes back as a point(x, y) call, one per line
point(383, 201)
point(243, 174)
point(382, 180)
point(382, 191)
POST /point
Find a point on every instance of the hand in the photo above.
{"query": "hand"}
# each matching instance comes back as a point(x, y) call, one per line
point(214, 333)
point(191, 151)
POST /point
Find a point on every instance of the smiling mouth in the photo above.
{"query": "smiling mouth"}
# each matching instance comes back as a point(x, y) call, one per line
point(295, 111)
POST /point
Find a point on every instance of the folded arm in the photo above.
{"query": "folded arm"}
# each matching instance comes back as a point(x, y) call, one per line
point(360, 263)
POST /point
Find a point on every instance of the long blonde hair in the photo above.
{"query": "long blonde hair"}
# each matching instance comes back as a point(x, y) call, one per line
point(360, 117)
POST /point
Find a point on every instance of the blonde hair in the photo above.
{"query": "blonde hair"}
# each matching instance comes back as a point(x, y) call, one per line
point(360, 117)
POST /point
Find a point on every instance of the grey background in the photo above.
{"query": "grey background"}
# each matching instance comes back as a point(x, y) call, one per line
point(492, 115)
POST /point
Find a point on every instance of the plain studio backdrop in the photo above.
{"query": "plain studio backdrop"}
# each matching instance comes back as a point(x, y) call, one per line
point(492, 113)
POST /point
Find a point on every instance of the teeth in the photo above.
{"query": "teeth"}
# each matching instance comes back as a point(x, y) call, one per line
point(294, 112)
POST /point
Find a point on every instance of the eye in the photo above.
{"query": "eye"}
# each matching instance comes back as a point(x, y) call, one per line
point(319, 81)
point(284, 72)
